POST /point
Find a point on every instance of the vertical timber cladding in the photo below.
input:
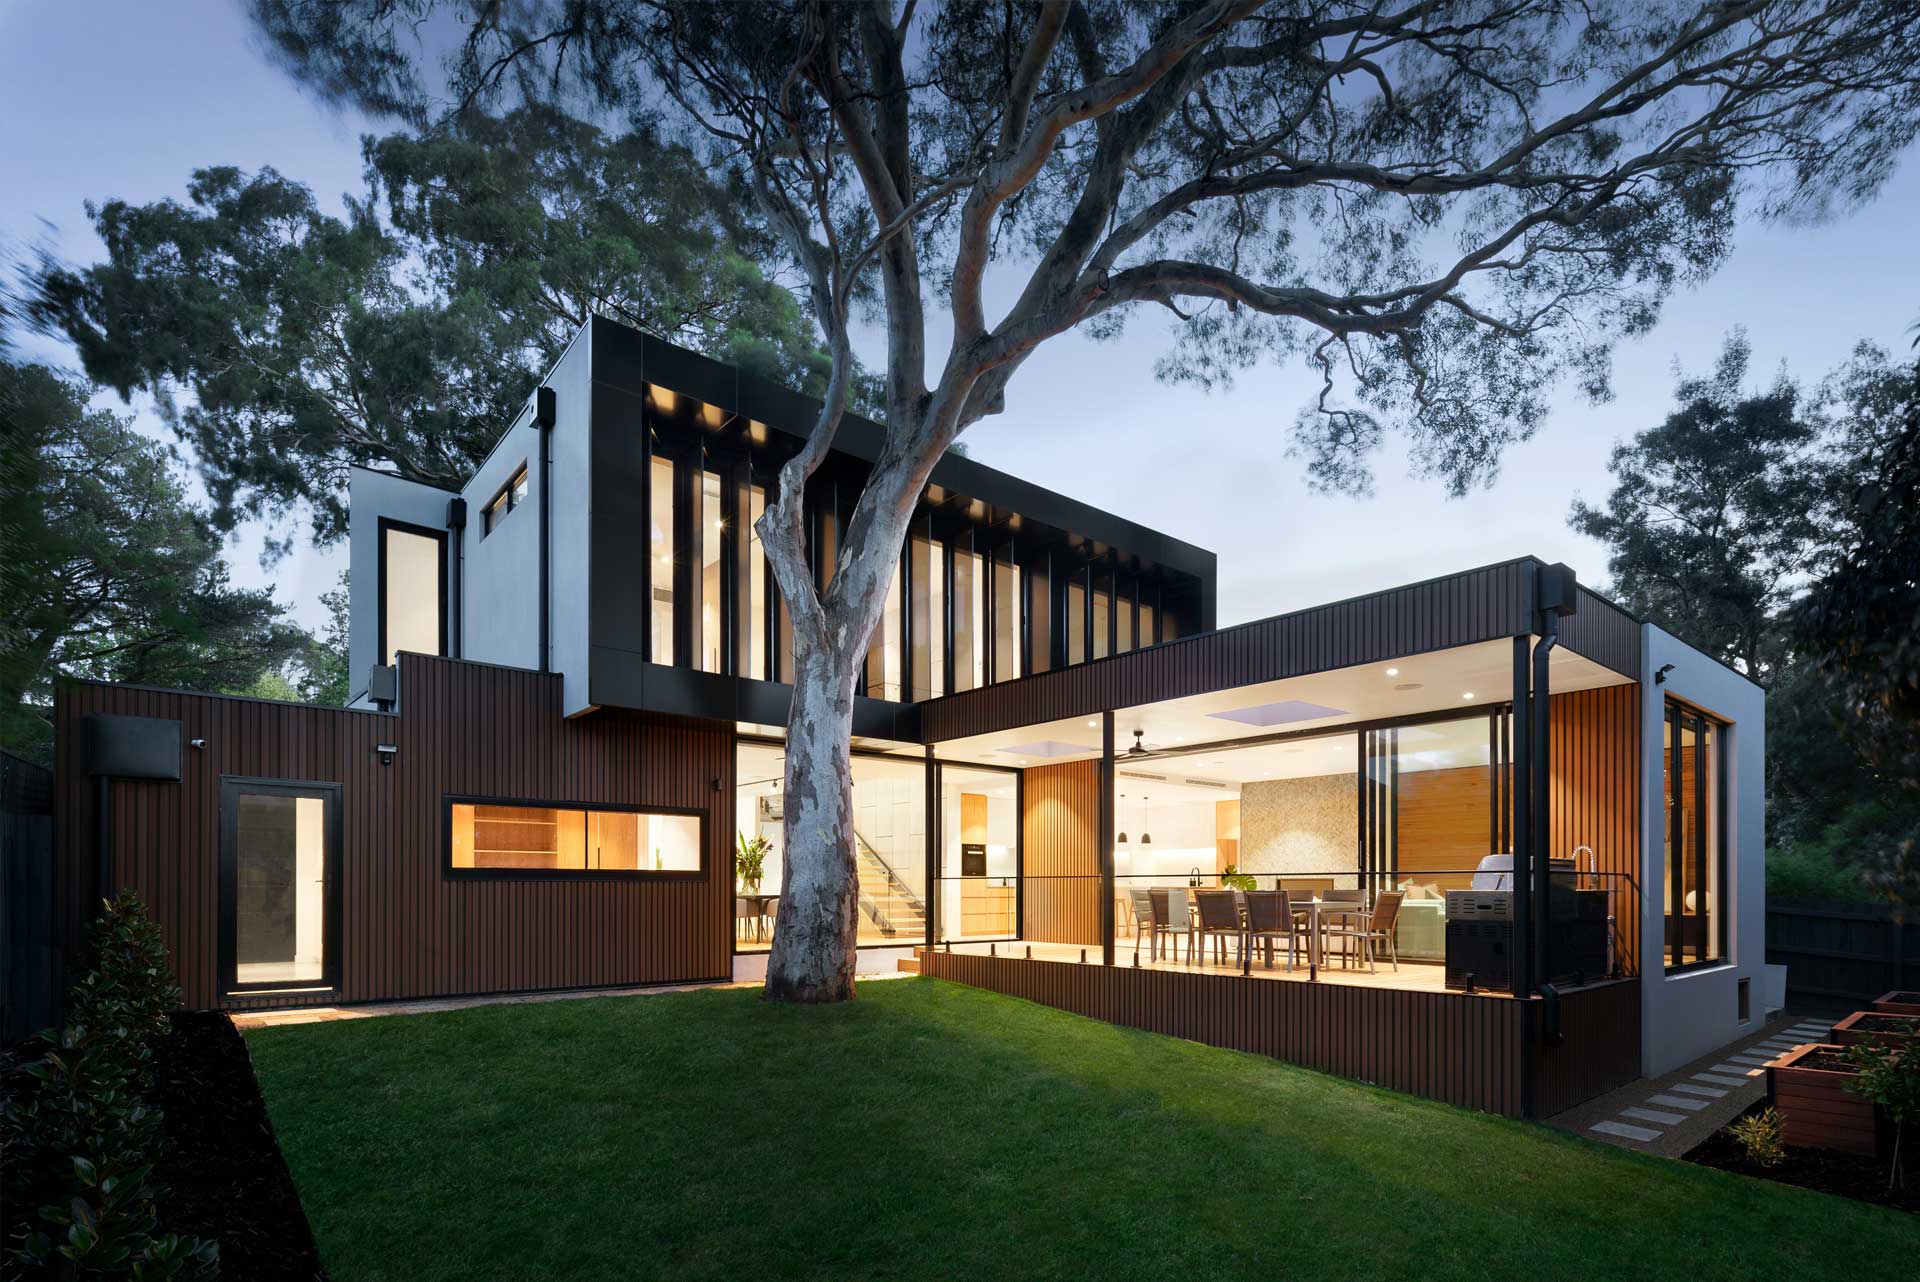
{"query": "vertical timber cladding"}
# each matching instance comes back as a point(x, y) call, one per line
point(1060, 848)
point(1595, 797)
point(407, 930)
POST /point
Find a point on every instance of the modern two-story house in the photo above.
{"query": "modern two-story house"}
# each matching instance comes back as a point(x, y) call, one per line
point(1519, 829)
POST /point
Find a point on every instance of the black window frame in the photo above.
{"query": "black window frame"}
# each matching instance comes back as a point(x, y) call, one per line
point(231, 786)
point(1673, 711)
point(509, 494)
point(451, 799)
point(388, 523)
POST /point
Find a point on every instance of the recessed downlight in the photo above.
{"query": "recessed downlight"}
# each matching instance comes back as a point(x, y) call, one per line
point(1393, 672)
point(1466, 694)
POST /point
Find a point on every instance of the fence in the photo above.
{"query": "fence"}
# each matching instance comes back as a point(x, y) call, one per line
point(1853, 951)
point(29, 943)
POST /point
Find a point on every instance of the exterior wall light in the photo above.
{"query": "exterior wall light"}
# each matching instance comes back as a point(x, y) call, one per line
point(387, 752)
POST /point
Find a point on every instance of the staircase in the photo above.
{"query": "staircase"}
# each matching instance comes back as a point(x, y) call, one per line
point(888, 905)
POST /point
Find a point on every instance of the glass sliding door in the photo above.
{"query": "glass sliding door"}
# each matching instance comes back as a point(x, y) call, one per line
point(279, 884)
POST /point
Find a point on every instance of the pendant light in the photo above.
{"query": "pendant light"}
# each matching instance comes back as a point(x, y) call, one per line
point(1146, 838)
point(1121, 840)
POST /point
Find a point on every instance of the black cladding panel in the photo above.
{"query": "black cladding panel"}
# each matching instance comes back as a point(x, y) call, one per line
point(132, 747)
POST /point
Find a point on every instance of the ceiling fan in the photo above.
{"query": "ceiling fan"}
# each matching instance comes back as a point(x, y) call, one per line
point(1140, 748)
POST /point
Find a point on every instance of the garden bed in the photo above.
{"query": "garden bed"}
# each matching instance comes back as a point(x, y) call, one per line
point(223, 1171)
point(1898, 1003)
point(1872, 1027)
point(1851, 1175)
point(1812, 1086)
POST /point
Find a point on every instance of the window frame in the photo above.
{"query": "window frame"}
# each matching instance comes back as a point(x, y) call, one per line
point(386, 524)
point(227, 944)
point(506, 492)
point(1674, 710)
point(450, 873)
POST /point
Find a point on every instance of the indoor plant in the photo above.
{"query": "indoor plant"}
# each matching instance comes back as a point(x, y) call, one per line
point(750, 861)
point(1233, 879)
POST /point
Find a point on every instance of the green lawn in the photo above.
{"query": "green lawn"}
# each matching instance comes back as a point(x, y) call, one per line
point(934, 1131)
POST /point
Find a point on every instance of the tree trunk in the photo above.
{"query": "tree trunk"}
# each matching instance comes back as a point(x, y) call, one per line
point(813, 954)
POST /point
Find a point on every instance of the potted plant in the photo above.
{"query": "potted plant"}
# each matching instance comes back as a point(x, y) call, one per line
point(1898, 1003)
point(1890, 1077)
point(1233, 879)
point(1869, 1027)
point(1813, 1087)
point(750, 861)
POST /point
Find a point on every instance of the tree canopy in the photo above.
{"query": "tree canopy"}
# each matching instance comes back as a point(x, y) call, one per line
point(286, 344)
point(111, 572)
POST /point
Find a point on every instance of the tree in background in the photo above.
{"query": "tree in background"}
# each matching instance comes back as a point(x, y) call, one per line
point(325, 676)
point(1719, 518)
point(1860, 624)
point(1444, 207)
point(285, 344)
point(111, 571)
point(1718, 513)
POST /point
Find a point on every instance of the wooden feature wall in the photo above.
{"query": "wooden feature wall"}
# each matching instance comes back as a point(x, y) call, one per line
point(1481, 1052)
point(1226, 834)
point(407, 929)
point(1060, 830)
point(1595, 797)
point(1445, 818)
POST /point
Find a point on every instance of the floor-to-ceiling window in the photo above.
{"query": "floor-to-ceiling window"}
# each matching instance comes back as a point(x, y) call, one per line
point(979, 853)
point(1695, 864)
point(712, 644)
point(660, 558)
point(890, 852)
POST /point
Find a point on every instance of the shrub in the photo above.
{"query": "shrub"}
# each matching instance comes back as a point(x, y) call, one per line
point(1890, 1077)
point(1761, 1138)
point(80, 1130)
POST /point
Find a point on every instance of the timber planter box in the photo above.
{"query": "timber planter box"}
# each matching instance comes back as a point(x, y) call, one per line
point(1812, 1086)
point(1898, 1003)
point(1870, 1027)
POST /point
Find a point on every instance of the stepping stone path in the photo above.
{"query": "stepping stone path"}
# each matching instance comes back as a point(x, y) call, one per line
point(1743, 1068)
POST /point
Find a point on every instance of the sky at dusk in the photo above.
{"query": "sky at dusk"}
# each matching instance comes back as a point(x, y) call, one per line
point(108, 99)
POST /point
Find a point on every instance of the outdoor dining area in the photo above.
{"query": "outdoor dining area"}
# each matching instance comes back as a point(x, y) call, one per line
point(1307, 925)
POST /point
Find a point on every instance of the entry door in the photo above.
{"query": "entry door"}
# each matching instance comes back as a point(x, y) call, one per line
point(279, 885)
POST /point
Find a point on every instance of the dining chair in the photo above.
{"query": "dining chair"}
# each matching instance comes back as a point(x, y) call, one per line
point(1171, 918)
point(1380, 929)
point(1142, 900)
point(1219, 921)
point(748, 912)
point(1343, 895)
point(1270, 917)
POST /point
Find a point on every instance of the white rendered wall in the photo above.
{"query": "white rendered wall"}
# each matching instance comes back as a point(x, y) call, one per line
point(1686, 1015)
point(370, 496)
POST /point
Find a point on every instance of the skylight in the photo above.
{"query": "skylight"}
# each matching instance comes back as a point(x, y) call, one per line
point(1280, 714)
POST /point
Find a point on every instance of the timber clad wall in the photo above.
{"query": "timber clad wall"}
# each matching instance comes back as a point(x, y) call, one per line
point(407, 930)
point(1595, 798)
point(1060, 834)
point(1461, 609)
point(1475, 1052)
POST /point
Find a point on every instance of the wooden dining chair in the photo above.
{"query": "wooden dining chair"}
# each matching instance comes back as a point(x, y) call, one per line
point(1270, 918)
point(1219, 921)
point(1379, 929)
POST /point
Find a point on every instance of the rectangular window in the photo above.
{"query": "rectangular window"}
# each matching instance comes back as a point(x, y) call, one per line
point(1076, 621)
point(279, 878)
point(711, 645)
point(1039, 583)
point(511, 496)
point(516, 838)
point(1102, 615)
point(413, 589)
point(756, 586)
point(1695, 872)
point(1123, 618)
point(967, 621)
point(660, 559)
point(927, 601)
point(1006, 619)
point(883, 650)
point(1148, 632)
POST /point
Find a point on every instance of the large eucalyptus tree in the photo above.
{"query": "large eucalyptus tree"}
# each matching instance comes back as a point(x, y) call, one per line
point(1442, 206)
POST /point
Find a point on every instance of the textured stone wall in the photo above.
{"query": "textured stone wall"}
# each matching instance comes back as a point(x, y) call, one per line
point(1300, 826)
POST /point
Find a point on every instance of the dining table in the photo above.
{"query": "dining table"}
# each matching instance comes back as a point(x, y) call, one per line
point(761, 903)
point(1315, 910)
